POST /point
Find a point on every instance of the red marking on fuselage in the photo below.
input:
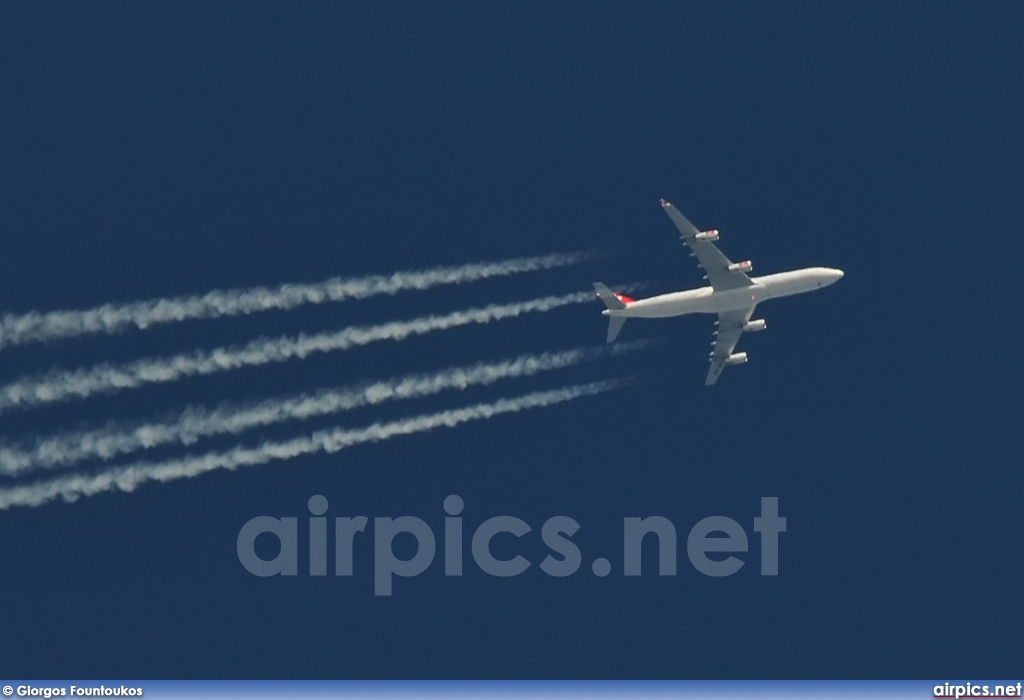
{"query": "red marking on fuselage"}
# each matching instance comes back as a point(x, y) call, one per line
point(623, 298)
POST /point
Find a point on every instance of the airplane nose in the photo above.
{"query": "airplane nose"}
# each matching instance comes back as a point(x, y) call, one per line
point(839, 274)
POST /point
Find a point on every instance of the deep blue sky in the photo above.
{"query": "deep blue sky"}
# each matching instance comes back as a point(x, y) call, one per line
point(160, 149)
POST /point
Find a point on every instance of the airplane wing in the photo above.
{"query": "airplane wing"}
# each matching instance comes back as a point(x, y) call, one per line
point(707, 253)
point(730, 328)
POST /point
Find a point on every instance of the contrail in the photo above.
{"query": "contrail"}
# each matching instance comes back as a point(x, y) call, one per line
point(129, 477)
point(194, 423)
point(65, 385)
point(112, 318)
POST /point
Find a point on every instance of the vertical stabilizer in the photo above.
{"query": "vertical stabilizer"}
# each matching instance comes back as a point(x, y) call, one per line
point(614, 302)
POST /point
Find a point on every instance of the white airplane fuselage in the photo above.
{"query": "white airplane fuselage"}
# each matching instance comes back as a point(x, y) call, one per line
point(707, 301)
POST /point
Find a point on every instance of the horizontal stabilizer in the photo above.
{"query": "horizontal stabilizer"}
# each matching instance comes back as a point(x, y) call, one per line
point(615, 302)
point(615, 324)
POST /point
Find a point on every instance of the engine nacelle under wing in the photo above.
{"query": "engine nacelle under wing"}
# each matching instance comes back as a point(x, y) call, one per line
point(745, 266)
point(737, 358)
point(756, 325)
point(709, 236)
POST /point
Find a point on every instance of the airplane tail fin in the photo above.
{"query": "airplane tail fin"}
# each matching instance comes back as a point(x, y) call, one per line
point(614, 302)
point(610, 298)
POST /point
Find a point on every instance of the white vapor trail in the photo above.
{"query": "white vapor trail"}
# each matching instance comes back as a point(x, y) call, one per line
point(65, 385)
point(112, 318)
point(194, 423)
point(129, 477)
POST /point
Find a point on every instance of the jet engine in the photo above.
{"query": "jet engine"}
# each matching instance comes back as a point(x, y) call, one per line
point(754, 326)
point(745, 266)
point(709, 236)
point(737, 358)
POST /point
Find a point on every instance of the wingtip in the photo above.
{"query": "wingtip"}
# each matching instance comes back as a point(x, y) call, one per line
point(665, 202)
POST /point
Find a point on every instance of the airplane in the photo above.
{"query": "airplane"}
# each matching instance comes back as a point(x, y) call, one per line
point(732, 294)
